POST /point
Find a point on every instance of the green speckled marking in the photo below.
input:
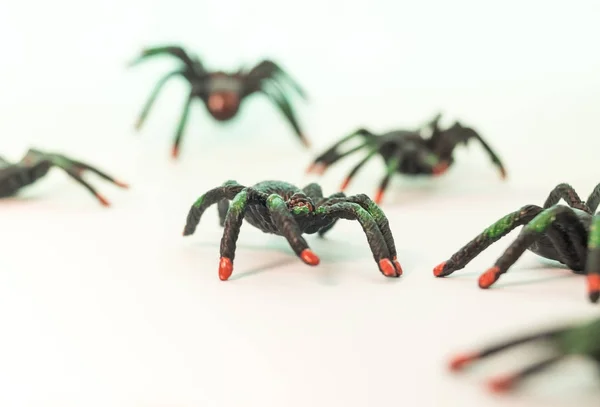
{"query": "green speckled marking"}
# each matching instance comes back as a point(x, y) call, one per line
point(300, 210)
point(594, 238)
point(431, 159)
point(274, 200)
point(363, 215)
point(321, 210)
point(376, 212)
point(239, 202)
point(542, 221)
point(199, 201)
point(582, 339)
point(393, 164)
point(500, 227)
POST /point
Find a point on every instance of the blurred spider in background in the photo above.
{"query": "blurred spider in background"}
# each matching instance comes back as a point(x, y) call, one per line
point(405, 152)
point(222, 92)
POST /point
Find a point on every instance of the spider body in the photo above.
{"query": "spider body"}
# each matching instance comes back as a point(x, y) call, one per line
point(223, 92)
point(567, 234)
point(283, 209)
point(405, 152)
point(36, 164)
point(567, 341)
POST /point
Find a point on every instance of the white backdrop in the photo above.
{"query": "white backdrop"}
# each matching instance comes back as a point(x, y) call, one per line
point(112, 307)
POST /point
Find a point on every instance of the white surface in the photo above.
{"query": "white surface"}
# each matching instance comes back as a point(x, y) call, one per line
point(113, 307)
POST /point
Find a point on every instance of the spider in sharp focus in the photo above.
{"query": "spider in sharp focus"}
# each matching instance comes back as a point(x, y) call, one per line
point(567, 341)
point(36, 164)
point(405, 152)
point(283, 209)
point(567, 234)
point(223, 92)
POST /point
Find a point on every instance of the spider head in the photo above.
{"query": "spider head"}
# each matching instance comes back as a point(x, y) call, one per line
point(300, 204)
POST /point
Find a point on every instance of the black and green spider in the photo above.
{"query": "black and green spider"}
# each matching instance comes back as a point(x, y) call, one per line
point(567, 234)
point(283, 209)
point(567, 341)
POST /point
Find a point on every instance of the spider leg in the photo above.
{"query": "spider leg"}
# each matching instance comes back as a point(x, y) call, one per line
point(313, 191)
point(288, 227)
point(153, 96)
point(505, 383)
point(333, 198)
point(175, 51)
point(592, 266)
point(391, 168)
point(356, 168)
point(493, 233)
point(331, 155)
point(228, 191)
point(594, 199)
point(569, 195)
point(79, 167)
point(223, 208)
point(268, 69)
point(539, 225)
point(232, 225)
point(181, 125)
point(376, 240)
point(280, 100)
point(494, 157)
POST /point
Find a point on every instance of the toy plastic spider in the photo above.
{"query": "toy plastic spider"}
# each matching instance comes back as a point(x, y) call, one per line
point(283, 209)
point(223, 92)
point(405, 152)
point(577, 340)
point(567, 234)
point(36, 164)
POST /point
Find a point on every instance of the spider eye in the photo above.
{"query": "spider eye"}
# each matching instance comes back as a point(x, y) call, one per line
point(301, 204)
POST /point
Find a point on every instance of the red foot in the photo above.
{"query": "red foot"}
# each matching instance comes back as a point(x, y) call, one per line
point(316, 168)
point(489, 277)
point(502, 384)
point(387, 267)
point(121, 184)
point(459, 362)
point(345, 184)
point(102, 200)
point(440, 168)
point(439, 269)
point(502, 173)
point(378, 196)
point(397, 266)
point(309, 257)
point(593, 281)
point(225, 268)
point(175, 152)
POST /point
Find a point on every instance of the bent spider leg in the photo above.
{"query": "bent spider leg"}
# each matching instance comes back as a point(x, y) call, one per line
point(528, 235)
point(377, 243)
point(333, 198)
point(232, 225)
point(175, 51)
point(592, 266)
point(505, 383)
point(494, 157)
point(594, 199)
point(268, 69)
point(382, 223)
point(75, 175)
point(491, 234)
point(462, 361)
point(356, 168)
point(228, 191)
point(391, 168)
point(569, 195)
point(153, 96)
point(279, 99)
point(181, 125)
point(288, 228)
point(79, 167)
point(331, 155)
point(314, 192)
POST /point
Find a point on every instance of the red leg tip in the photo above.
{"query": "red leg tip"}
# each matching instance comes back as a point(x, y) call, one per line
point(440, 168)
point(225, 268)
point(310, 168)
point(345, 184)
point(439, 269)
point(387, 268)
point(309, 257)
point(102, 200)
point(397, 266)
point(175, 152)
point(305, 141)
point(121, 184)
point(489, 277)
point(593, 281)
point(378, 196)
point(501, 384)
point(502, 173)
point(459, 362)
